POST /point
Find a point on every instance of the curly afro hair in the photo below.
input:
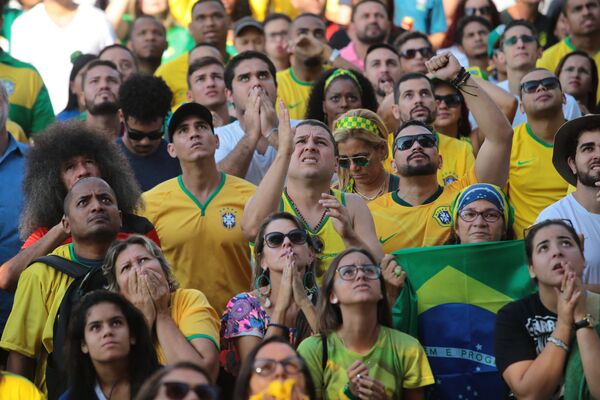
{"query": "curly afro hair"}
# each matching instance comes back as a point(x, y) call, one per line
point(145, 98)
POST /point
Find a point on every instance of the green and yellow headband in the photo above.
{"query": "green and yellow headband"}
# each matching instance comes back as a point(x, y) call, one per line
point(358, 123)
point(342, 72)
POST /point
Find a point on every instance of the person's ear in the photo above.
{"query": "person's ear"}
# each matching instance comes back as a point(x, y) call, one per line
point(532, 274)
point(121, 116)
point(84, 348)
point(396, 111)
point(333, 298)
point(572, 165)
point(171, 150)
point(65, 224)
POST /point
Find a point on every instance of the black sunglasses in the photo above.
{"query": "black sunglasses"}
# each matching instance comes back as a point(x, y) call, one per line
point(511, 41)
point(425, 52)
point(451, 100)
point(406, 142)
point(485, 10)
point(178, 390)
point(359, 161)
point(137, 135)
point(275, 239)
point(547, 83)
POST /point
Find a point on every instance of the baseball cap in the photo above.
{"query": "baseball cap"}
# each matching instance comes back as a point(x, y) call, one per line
point(246, 22)
point(493, 38)
point(184, 111)
point(563, 140)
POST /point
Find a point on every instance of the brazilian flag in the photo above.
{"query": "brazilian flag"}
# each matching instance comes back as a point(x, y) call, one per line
point(450, 303)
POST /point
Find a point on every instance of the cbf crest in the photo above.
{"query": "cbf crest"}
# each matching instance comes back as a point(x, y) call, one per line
point(442, 216)
point(228, 218)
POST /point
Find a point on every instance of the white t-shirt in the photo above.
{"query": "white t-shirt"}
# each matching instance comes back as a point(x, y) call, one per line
point(584, 222)
point(570, 108)
point(38, 40)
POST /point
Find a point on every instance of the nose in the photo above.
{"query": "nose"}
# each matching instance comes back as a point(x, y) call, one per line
point(479, 220)
point(82, 171)
point(279, 373)
point(540, 87)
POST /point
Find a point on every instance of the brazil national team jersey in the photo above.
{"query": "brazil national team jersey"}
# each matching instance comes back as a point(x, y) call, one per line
point(533, 182)
point(204, 243)
point(400, 225)
point(293, 92)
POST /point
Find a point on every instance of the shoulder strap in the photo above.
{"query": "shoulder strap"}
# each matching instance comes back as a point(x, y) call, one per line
point(63, 265)
point(324, 347)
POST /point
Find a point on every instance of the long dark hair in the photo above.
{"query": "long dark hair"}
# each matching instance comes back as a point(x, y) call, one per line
point(330, 315)
point(464, 126)
point(80, 369)
point(459, 13)
point(533, 230)
point(590, 99)
point(242, 385)
point(314, 109)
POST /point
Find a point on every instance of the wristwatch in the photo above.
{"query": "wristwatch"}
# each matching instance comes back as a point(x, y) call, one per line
point(587, 322)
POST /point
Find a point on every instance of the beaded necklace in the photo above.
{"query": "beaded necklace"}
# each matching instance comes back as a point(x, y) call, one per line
point(299, 214)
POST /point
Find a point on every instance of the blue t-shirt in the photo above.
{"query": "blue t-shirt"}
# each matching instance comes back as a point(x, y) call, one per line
point(12, 168)
point(428, 15)
point(153, 169)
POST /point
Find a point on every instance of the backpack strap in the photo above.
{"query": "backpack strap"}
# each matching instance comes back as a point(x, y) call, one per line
point(324, 347)
point(63, 265)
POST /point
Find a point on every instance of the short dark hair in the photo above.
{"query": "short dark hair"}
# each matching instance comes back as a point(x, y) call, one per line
point(98, 63)
point(118, 46)
point(201, 63)
point(247, 55)
point(145, 98)
point(382, 45)
point(206, 1)
point(242, 384)
point(150, 17)
point(361, 2)
point(462, 24)
point(413, 122)
point(406, 36)
point(518, 22)
point(409, 77)
point(320, 124)
point(275, 17)
point(532, 231)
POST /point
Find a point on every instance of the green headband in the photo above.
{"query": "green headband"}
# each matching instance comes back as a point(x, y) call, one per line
point(341, 72)
point(358, 123)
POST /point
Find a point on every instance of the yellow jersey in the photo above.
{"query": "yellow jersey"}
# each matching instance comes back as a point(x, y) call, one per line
point(401, 225)
point(16, 387)
point(533, 182)
point(194, 317)
point(30, 326)
point(332, 241)
point(203, 242)
point(293, 92)
point(552, 56)
point(174, 73)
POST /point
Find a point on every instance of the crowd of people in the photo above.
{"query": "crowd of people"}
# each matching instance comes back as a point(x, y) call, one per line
point(201, 199)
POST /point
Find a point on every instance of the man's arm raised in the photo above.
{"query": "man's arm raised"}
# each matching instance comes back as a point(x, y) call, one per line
point(492, 163)
point(266, 199)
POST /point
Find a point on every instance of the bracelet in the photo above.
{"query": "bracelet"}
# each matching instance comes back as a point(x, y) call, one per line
point(349, 393)
point(461, 78)
point(559, 343)
point(280, 326)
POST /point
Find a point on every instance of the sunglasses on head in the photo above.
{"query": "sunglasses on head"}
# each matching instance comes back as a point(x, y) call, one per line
point(547, 83)
point(511, 41)
point(425, 52)
point(275, 239)
point(179, 390)
point(485, 10)
point(359, 161)
point(406, 142)
point(137, 135)
point(451, 100)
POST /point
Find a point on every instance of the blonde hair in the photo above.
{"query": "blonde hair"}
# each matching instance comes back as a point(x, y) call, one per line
point(373, 139)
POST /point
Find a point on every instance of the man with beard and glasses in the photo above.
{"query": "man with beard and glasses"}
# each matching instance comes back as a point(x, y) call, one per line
point(148, 41)
point(533, 183)
point(576, 157)
point(145, 102)
point(418, 214)
point(309, 52)
point(100, 83)
point(583, 18)
point(371, 25)
point(382, 69)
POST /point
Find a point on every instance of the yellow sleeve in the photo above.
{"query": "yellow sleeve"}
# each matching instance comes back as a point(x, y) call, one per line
point(417, 372)
point(195, 317)
point(25, 326)
point(13, 387)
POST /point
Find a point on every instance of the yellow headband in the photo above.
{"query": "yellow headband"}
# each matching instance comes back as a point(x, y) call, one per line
point(358, 123)
point(341, 72)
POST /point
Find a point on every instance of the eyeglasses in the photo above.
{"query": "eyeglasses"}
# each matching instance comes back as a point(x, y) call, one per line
point(425, 52)
point(349, 272)
point(511, 41)
point(359, 161)
point(451, 100)
point(547, 83)
point(469, 215)
point(485, 10)
point(266, 366)
point(178, 390)
point(137, 135)
point(275, 239)
point(406, 142)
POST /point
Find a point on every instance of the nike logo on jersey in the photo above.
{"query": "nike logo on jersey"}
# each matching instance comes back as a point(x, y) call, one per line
point(382, 241)
point(521, 163)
